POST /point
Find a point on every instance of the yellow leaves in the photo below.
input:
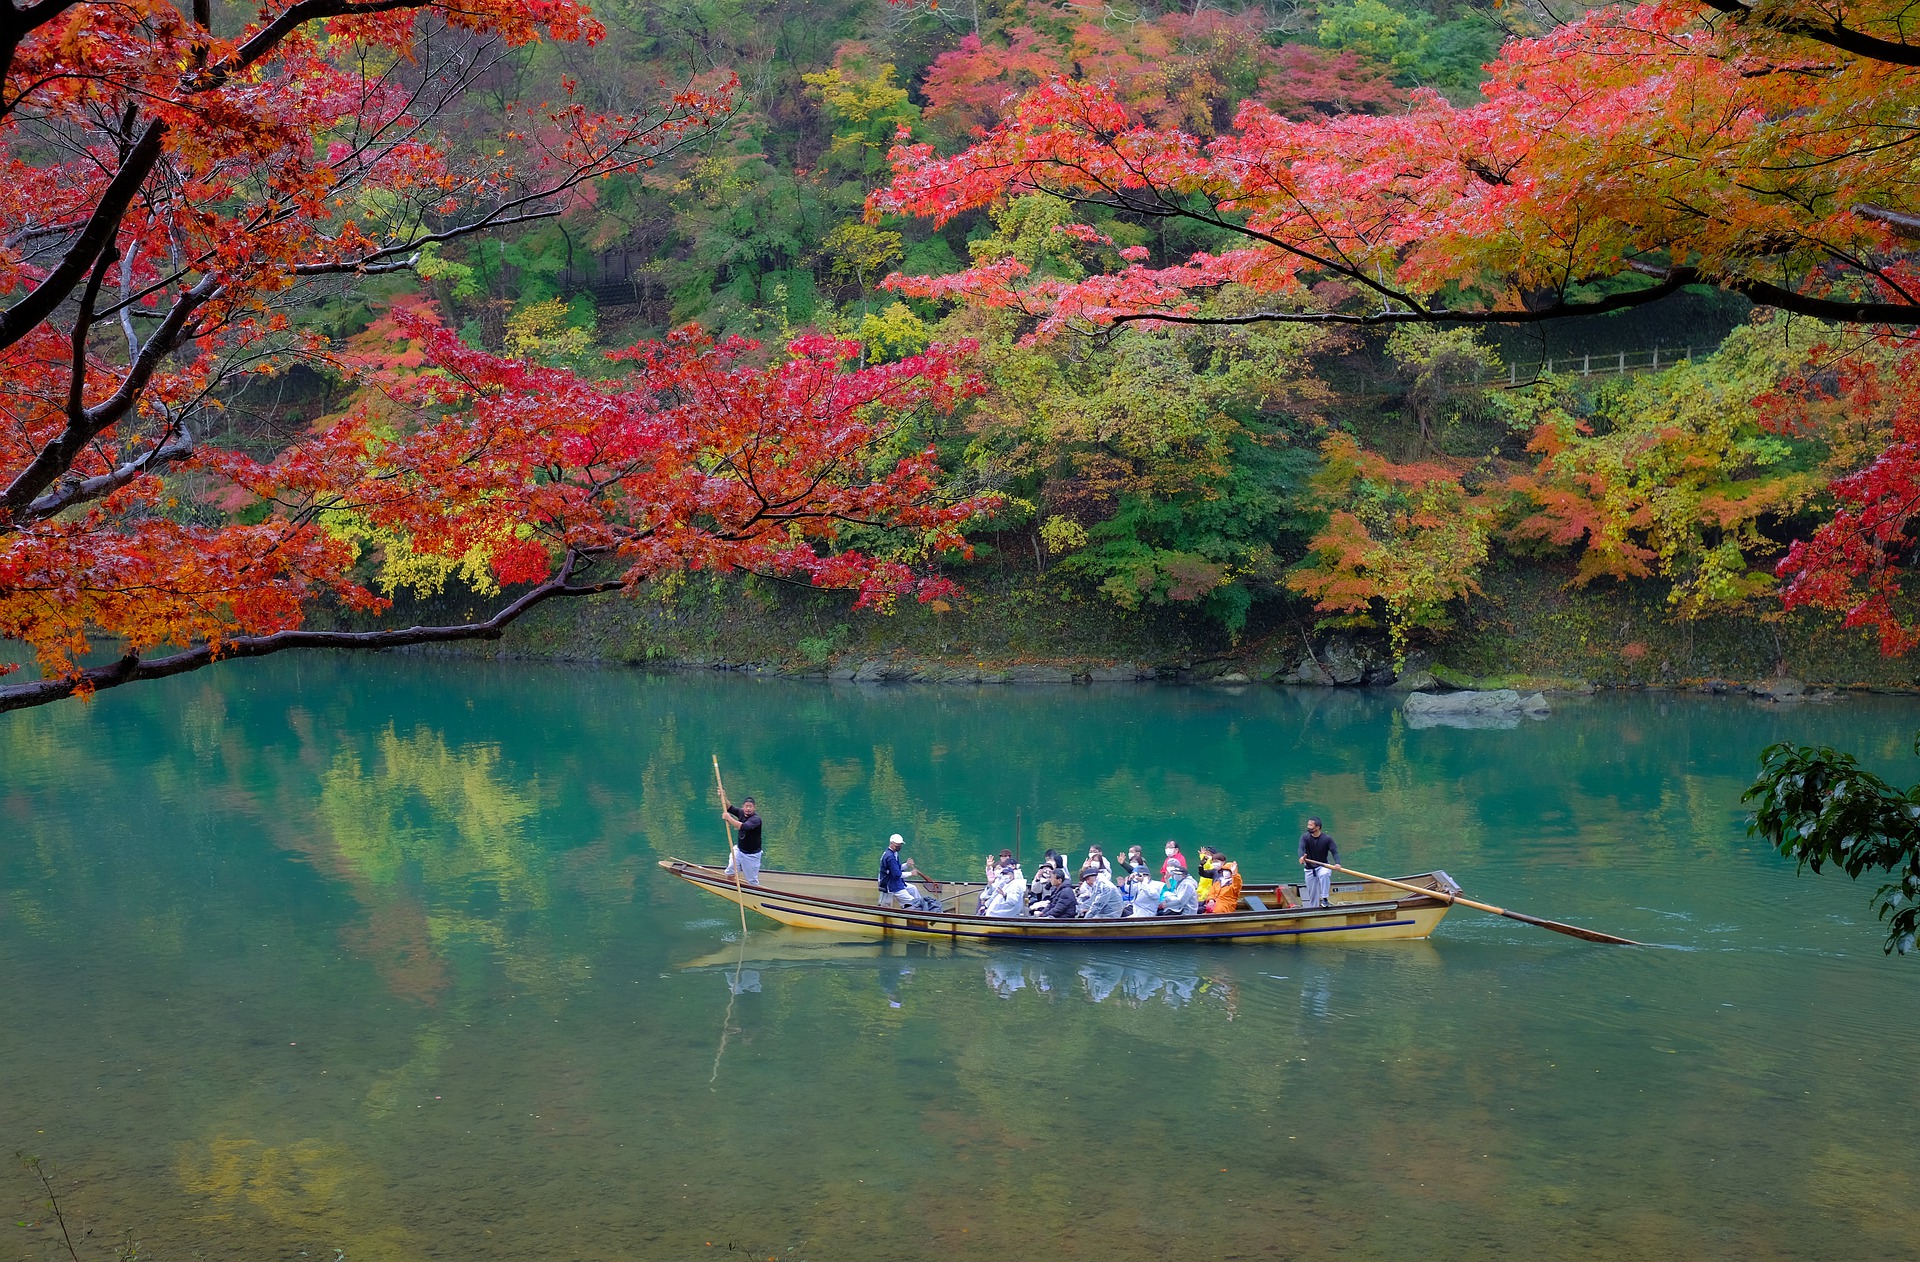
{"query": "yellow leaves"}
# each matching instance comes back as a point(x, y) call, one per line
point(1062, 534)
point(424, 572)
point(860, 251)
point(856, 100)
point(866, 106)
point(893, 334)
point(545, 332)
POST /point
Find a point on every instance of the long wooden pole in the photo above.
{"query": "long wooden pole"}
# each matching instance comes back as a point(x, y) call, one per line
point(739, 894)
point(1591, 935)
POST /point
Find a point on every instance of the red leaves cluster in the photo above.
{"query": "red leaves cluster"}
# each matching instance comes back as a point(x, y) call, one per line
point(697, 459)
point(1641, 139)
point(1176, 70)
point(1859, 563)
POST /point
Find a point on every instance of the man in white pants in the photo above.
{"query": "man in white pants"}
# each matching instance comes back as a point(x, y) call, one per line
point(894, 890)
point(1316, 849)
point(746, 851)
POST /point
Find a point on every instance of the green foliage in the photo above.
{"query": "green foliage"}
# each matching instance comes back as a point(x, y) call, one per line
point(1414, 45)
point(820, 649)
point(1671, 475)
point(1220, 545)
point(1818, 806)
point(1378, 31)
point(462, 281)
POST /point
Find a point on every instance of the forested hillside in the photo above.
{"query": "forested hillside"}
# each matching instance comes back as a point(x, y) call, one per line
point(1219, 479)
point(1355, 479)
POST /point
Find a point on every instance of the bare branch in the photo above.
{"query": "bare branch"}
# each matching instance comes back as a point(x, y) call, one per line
point(101, 228)
point(82, 491)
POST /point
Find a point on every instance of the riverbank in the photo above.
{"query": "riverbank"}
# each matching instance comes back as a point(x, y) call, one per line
point(1527, 630)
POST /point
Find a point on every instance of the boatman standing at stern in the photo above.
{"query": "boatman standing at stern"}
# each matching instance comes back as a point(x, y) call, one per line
point(1317, 848)
point(746, 851)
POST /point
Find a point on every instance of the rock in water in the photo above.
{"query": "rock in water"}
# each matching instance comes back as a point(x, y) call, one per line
point(1500, 708)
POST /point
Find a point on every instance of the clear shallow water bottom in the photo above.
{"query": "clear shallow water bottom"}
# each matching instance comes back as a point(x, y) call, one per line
point(372, 956)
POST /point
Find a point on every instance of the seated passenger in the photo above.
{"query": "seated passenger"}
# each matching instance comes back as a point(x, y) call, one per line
point(1059, 903)
point(1226, 886)
point(1203, 883)
point(1143, 893)
point(1006, 896)
point(1179, 896)
point(998, 866)
point(1038, 889)
point(1096, 858)
point(1099, 898)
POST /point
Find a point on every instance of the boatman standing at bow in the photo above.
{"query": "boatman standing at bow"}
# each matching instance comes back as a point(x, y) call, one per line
point(1317, 848)
point(746, 850)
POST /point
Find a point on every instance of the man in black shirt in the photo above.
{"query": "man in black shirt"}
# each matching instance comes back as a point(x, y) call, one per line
point(746, 851)
point(1317, 848)
point(1059, 903)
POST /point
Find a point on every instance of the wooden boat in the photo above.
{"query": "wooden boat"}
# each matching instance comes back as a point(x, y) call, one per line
point(1362, 911)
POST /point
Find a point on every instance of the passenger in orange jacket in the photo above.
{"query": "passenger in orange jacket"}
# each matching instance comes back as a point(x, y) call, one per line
point(1226, 886)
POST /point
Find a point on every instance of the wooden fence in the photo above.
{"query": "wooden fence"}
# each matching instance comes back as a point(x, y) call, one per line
point(1520, 373)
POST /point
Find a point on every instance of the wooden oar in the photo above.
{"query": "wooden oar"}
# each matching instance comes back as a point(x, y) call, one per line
point(1591, 935)
point(739, 894)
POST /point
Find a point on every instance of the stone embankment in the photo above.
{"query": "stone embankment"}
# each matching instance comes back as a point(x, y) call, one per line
point(1436, 694)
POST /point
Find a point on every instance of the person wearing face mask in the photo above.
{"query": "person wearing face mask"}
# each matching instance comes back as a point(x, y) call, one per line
point(1143, 893)
point(1226, 886)
point(1007, 896)
point(1173, 857)
point(1179, 896)
point(1099, 897)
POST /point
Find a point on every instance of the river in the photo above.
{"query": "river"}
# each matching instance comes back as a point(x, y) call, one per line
point(371, 958)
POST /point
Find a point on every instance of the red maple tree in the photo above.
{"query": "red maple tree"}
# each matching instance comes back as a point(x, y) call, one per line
point(174, 190)
point(1612, 162)
point(1759, 148)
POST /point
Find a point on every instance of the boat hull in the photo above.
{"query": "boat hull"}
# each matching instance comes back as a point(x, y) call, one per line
point(845, 905)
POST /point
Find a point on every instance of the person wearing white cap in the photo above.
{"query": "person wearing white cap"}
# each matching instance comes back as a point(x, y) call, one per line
point(894, 890)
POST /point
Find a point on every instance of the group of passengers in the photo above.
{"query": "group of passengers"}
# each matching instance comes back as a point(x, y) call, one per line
point(1213, 887)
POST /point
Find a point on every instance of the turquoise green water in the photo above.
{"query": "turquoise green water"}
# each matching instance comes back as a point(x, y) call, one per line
point(372, 955)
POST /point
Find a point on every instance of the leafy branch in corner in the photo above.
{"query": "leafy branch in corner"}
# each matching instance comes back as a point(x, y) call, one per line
point(129, 1248)
point(1819, 806)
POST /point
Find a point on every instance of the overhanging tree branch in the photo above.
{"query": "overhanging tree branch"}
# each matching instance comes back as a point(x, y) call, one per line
point(132, 669)
point(1833, 34)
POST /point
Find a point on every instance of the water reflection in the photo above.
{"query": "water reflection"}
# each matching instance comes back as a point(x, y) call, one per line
point(1005, 972)
point(374, 957)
